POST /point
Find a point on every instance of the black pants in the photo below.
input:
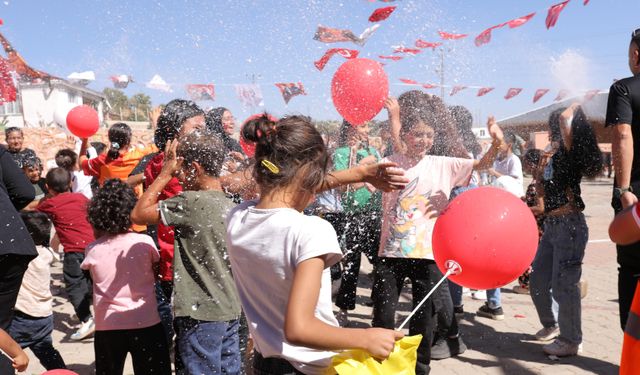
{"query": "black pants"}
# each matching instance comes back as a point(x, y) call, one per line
point(35, 333)
point(148, 348)
point(424, 274)
point(337, 220)
point(362, 236)
point(272, 366)
point(627, 281)
point(77, 285)
point(12, 268)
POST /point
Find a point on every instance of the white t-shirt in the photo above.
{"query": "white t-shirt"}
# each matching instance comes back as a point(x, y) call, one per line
point(265, 246)
point(512, 179)
point(81, 183)
point(409, 215)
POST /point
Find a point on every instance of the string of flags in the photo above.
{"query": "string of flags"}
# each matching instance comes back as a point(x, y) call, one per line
point(512, 92)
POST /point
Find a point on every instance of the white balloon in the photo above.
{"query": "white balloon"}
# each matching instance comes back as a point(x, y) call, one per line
point(60, 116)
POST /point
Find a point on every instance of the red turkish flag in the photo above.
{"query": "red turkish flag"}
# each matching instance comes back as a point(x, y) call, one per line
point(590, 95)
point(562, 95)
point(394, 58)
point(422, 44)
point(484, 91)
point(517, 22)
point(429, 86)
point(289, 90)
point(346, 53)
point(410, 51)
point(586, 2)
point(381, 14)
point(450, 36)
point(485, 36)
point(456, 89)
point(408, 81)
point(512, 92)
point(7, 88)
point(554, 13)
point(539, 94)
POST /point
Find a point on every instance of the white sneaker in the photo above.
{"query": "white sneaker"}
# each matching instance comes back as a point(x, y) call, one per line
point(548, 333)
point(561, 348)
point(87, 329)
point(479, 295)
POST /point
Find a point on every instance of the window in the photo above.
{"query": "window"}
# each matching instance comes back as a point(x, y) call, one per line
point(13, 108)
point(481, 133)
point(72, 98)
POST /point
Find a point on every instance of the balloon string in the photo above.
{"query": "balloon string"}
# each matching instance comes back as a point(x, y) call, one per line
point(449, 272)
point(6, 355)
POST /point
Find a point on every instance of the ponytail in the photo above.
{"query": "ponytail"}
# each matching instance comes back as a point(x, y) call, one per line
point(119, 138)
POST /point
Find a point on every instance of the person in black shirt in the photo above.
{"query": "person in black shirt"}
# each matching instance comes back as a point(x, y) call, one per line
point(623, 114)
point(557, 266)
point(15, 138)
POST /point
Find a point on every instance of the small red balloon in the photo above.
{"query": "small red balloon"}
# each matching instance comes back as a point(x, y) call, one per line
point(247, 146)
point(83, 121)
point(59, 372)
point(359, 89)
point(490, 233)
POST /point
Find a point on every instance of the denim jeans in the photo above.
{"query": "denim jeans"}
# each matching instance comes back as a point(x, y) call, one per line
point(165, 311)
point(557, 268)
point(493, 295)
point(204, 347)
point(35, 333)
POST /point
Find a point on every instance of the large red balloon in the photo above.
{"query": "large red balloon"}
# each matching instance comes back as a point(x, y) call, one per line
point(83, 121)
point(359, 89)
point(490, 233)
point(59, 372)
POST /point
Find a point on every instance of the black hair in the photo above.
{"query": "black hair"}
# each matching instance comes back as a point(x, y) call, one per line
point(510, 137)
point(205, 149)
point(32, 162)
point(58, 180)
point(66, 158)
point(173, 115)
point(110, 208)
point(463, 120)
point(38, 225)
point(119, 137)
point(345, 130)
point(99, 146)
point(584, 143)
point(290, 144)
point(12, 129)
point(532, 157)
point(213, 122)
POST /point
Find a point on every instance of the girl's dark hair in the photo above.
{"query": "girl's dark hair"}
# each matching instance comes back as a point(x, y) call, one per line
point(464, 121)
point(66, 158)
point(417, 106)
point(584, 147)
point(205, 149)
point(110, 208)
point(532, 157)
point(213, 121)
point(345, 129)
point(99, 146)
point(290, 144)
point(173, 115)
point(38, 225)
point(119, 138)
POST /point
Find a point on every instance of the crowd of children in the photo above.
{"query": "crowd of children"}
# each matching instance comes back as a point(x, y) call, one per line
point(175, 270)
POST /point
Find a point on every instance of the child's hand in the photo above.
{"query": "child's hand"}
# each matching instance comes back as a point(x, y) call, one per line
point(172, 163)
point(21, 361)
point(154, 115)
point(384, 176)
point(393, 108)
point(494, 129)
point(381, 341)
point(368, 160)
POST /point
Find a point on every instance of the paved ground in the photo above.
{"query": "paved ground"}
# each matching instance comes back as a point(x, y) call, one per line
point(505, 347)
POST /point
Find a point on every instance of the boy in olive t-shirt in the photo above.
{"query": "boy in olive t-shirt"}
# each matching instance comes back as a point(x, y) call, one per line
point(206, 303)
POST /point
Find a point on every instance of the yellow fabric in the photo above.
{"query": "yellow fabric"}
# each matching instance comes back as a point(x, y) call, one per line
point(402, 360)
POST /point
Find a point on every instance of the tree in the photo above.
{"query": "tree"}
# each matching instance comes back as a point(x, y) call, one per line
point(141, 106)
point(118, 102)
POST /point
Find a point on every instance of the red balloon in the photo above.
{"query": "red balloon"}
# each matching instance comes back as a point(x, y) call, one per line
point(83, 121)
point(59, 372)
point(490, 233)
point(247, 146)
point(359, 89)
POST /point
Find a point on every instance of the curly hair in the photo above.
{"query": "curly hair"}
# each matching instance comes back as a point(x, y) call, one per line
point(110, 208)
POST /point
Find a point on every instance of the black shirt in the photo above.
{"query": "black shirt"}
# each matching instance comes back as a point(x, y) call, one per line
point(21, 156)
point(623, 107)
point(562, 177)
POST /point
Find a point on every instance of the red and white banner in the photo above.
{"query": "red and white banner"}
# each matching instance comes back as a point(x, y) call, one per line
point(512, 92)
point(456, 89)
point(539, 94)
point(451, 36)
point(346, 53)
point(484, 91)
point(554, 13)
point(250, 95)
point(423, 44)
point(381, 14)
point(201, 92)
point(289, 90)
point(7, 88)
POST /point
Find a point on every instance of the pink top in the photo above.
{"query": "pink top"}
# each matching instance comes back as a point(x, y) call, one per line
point(121, 267)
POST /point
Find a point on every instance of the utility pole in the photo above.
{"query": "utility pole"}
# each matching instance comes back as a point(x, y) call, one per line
point(441, 71)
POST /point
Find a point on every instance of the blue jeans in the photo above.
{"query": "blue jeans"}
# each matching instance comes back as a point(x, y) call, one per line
point(557, 268)
point(493, 295)
point(35, 333)
point(204, 347)
point(165, 312)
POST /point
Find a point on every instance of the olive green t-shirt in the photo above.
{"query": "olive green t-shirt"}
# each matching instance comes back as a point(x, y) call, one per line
point(203, 285)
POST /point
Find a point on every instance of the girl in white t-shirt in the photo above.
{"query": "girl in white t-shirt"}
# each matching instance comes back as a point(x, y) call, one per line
point(281, 258)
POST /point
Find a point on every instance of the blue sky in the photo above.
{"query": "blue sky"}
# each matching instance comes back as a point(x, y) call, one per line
point(226, 42)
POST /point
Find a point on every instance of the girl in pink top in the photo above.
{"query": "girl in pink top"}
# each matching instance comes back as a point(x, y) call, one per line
point(122, 263)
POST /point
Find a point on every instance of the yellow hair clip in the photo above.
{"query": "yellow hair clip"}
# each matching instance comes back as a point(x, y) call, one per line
point(270, 166)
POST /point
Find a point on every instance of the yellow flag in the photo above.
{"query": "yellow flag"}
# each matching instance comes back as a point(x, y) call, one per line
point(402, 360)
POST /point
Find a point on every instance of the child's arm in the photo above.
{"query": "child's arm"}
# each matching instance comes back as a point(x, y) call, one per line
point(625, 227)
point(566, 118)
point(383, 176)
point(82, 155)
point(18, 356)
point(301, 327)
point(146, 210)
point(393, 108)
point(496, 133)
